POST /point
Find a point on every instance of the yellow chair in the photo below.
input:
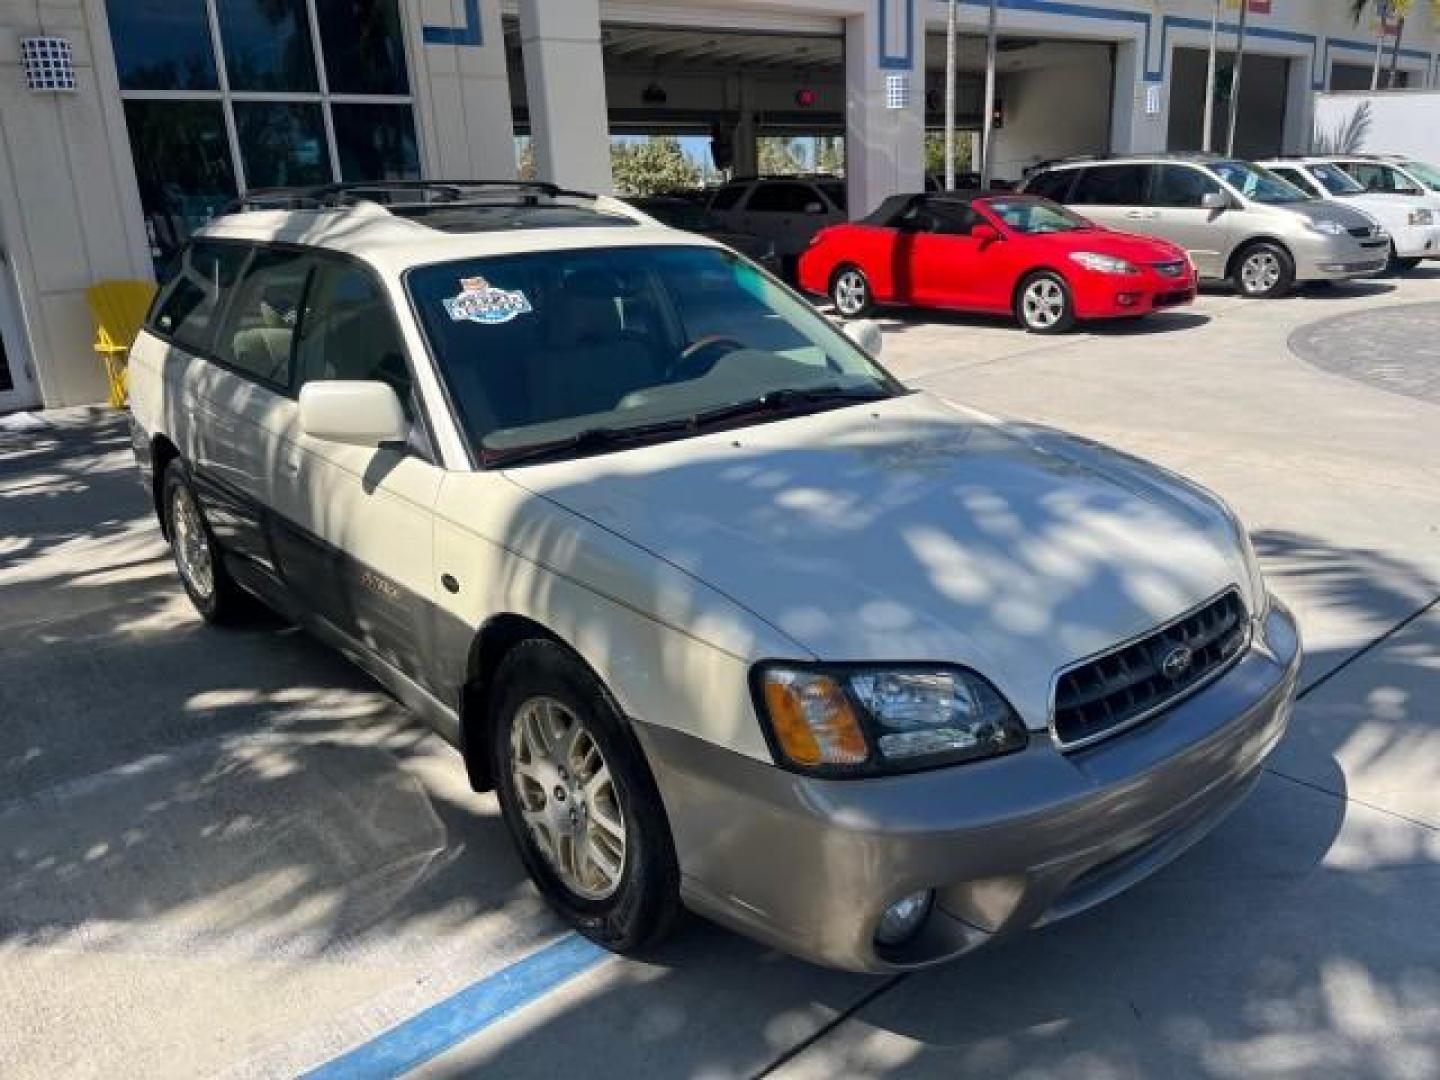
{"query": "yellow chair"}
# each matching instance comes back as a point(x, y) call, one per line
point(118, 308)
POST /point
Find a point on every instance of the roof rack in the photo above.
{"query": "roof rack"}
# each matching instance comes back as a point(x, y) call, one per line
point(402, 194)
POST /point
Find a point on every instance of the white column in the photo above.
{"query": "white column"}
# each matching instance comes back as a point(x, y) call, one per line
point(1132, 129)
point(463, 92)
point(565, 89)
point(747, 153)
point(1299, 107)
point(884, 147)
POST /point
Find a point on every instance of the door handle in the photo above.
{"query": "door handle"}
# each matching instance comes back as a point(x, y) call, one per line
point(1135, 215)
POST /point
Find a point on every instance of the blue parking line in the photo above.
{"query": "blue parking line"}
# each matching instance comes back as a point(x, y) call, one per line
point(465, 1013)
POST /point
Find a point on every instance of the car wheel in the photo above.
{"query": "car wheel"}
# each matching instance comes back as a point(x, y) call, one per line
point(850, 292)
point(579, 800)
point(1044, 304)
point(202, 569)
point(1399, 264)
point(1264, 271)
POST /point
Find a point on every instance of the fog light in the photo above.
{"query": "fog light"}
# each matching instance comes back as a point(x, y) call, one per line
point(1126, 299)
point(903, 919)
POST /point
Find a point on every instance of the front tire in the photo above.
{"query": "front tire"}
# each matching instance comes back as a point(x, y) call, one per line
point(1401, 264)
point(1264, 271)
point(1044, 304)
point(197, 556)
point(579, 800)
point(850, 293)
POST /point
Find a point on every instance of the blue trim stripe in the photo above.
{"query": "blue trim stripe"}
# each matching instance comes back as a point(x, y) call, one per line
point(464, 1014)
point(897, 61)
point(468, 33)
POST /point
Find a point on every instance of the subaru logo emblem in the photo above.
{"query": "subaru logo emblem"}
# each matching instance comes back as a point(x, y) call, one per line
point(1177, 662)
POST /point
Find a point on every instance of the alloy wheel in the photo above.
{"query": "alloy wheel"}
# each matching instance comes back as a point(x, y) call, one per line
point(851, 293)
point(192, 545)
point(567, 797)
point(1043, 303)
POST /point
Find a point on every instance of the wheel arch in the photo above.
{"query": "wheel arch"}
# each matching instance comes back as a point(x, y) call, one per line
point(162, 453)
point(1026, 276)
point(492, 643)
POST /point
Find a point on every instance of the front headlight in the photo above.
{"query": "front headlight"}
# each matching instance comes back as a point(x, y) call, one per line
point(1421, 217)
point(864, 720)
point(1329, 228)
point(1259, 592)
point(1103, 264)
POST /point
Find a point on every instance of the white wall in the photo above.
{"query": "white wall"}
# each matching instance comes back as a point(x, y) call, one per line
point(1056, 109)
point(70, 214)
point(463, 95)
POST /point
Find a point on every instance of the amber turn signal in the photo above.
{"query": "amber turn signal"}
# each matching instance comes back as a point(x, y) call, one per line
point(813, 720)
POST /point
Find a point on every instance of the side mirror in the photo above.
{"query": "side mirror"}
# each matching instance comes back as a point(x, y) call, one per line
point(984, 232)
point(357, 413)
point(1214, 200)
point(814, 208)
point(866, 334)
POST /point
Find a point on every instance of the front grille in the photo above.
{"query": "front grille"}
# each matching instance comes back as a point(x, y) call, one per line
point(1362, 232)
point(1108, 693)
point(1170, 299)
point(1171, 269)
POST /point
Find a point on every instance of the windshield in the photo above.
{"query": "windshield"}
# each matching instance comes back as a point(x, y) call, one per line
point(1035, 216)
point(1336, 180)
point(547, 346)
point(1428, 175)
point(1256, 184)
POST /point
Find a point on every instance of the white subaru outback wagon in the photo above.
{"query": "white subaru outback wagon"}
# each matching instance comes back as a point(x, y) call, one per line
point(727, 616)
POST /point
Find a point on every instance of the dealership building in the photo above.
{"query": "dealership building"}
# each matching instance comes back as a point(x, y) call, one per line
point(125, 124)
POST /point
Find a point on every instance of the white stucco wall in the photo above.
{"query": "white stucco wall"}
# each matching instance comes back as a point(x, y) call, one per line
point(69, 216)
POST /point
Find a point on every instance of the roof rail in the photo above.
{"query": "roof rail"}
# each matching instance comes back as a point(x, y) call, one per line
point(397, 193)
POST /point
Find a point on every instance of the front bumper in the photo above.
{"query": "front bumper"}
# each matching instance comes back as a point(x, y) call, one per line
point(1341, 257)
point(809, 865)
point(1416, 241)
point(1129, 295)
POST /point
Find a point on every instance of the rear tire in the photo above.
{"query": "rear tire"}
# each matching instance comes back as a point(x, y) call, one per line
point(1263, 271)
point(579, 800)
point(198, 557)
point(850, 293)
point(1044, 304)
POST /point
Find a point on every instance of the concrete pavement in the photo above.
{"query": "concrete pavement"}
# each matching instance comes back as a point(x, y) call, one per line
point(228, 853)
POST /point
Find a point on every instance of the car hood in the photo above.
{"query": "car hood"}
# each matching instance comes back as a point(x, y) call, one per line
point(1389, 208)
point(1319, 210)
point(914, 530)
point(1122, 245)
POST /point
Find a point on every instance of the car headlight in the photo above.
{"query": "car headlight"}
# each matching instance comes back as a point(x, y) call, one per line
point(1421, 217)
point(1329, 228)
point(1103, 264)
point(863, 720)
point(1259, 592)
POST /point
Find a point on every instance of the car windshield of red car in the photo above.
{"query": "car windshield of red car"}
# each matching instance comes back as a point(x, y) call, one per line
point(1036, 216)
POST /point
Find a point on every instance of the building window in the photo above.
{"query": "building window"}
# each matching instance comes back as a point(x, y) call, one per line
point(226, 96)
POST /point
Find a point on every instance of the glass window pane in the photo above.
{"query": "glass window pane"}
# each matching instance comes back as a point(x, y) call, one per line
point(282, 144)
point(349, 332)
point(376, 142)
point(364, 47)
point(267, 45)
point(162, 44)
point(193, 292)
point(258, 338)
point(182, 160)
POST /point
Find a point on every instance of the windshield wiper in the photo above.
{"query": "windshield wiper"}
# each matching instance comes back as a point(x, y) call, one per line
point(598, 439)
point(789, 398)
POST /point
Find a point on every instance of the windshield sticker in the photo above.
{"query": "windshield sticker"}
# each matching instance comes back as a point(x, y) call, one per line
point(481, 302)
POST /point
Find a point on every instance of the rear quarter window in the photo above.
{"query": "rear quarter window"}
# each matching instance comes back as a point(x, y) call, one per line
point(189, 302)
point(1054, 186)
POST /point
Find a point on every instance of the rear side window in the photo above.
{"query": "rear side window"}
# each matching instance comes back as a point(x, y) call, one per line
point(189, 302)
point(1296, 177)
point(1054, 186)
point(1180, 186)
point(258, 337)
point(782, 198)
point(1111, 185)
point(349, 331)
point(727, 197)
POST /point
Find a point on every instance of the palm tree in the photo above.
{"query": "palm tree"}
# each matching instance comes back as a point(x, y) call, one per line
point(1384, 10)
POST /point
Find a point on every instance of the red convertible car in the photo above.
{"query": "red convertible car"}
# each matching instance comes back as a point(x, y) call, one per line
point(994, 252)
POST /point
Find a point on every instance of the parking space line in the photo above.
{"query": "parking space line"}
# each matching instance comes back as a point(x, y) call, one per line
point(465, 1013)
